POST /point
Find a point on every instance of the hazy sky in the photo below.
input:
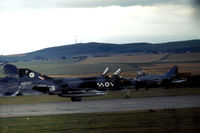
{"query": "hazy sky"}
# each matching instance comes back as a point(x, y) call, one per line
point(29, 25)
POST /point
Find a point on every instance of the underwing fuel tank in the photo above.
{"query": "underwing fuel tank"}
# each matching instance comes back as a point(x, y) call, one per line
point(83, 94)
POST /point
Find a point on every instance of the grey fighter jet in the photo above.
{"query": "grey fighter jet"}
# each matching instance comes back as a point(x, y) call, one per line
point(148, 80)
point(9, 85)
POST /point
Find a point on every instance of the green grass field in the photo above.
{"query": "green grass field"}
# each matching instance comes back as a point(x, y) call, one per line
point(147, 121)
point(111, 95)
point(135, 58)
point(98, 64)
point(62, 67)
point(185, 57)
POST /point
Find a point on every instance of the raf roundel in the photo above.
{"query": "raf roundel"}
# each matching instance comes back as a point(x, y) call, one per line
point(31, 75)
point(107, 84)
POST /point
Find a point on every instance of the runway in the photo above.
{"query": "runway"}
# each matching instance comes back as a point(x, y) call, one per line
point(110, 105)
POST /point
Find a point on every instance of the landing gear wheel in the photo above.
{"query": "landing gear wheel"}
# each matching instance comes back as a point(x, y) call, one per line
point(74, 99)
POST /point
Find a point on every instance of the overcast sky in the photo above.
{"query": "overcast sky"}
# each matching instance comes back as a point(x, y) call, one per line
point(29, 25)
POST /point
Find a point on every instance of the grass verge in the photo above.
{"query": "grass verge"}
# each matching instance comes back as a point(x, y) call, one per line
point(148, 121)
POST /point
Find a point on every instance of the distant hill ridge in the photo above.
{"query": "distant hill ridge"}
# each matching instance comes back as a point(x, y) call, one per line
point(96, 49)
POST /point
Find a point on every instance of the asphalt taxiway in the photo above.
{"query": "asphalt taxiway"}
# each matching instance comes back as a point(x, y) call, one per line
point(92, 106)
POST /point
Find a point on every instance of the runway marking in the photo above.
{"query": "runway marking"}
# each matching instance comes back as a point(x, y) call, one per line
point(100, 106)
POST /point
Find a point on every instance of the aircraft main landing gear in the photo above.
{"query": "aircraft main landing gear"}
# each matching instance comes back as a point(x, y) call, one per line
point(74, 99)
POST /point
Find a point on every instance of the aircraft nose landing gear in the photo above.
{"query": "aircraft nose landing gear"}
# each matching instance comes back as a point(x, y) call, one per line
point(127, 94)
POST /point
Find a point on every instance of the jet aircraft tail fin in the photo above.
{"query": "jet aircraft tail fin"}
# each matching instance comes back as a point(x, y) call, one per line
point(116, 73)
point(140, 73)
point(27, 74)
point(10, 71)
point(106, 71)
point(172, 71)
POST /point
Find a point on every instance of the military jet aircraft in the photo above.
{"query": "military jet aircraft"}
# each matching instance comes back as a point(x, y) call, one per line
point(146, 81)
point(75, 88)
point(28, 82)
point(9, 85)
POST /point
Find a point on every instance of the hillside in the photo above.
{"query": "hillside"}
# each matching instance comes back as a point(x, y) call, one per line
point(104, 49)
